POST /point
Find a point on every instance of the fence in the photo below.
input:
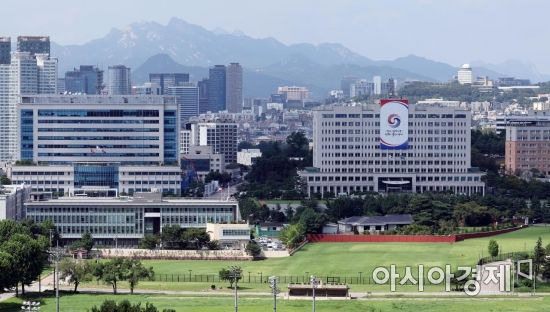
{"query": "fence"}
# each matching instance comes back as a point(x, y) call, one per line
point(453, 238)
point(260, 278)
point(510, 255)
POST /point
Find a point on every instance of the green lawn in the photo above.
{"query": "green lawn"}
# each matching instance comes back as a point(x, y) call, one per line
point(347, 259)
point(81, 303)
point(340, 259)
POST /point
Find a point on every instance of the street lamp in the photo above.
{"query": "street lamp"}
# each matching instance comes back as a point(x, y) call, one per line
point(275, 291)
point(55, 254)
point(314, 282)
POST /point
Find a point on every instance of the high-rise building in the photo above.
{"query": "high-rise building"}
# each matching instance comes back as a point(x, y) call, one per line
point(377, 80)
point(86, 80)
point(109, 144)
point(5, 50)
point(25, 74)
point(167, 80)
point(119, 80)
point(203, 95)
point(395, 147)
point(47, 74)
point(33, 44)
point(187, 98)
point(220, 132)
point(346, 83)
point(234, 88)
point(465, 75)
point(216, 88)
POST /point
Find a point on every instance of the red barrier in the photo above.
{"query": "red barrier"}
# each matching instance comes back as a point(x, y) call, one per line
point(344, 238)
point(461, 237)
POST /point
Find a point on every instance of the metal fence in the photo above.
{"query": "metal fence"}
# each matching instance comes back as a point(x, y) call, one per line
point(260, 278)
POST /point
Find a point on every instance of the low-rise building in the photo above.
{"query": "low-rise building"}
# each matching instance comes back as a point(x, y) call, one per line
point(373, 224)
point(127, 219)
point(234, 235)
point(269, 229)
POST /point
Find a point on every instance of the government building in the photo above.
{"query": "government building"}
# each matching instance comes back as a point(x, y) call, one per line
point(98, 145)
point(123, 221)
point(411, 148)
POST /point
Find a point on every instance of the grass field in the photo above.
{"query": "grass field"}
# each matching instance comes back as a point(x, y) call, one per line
point(82, 303)
point(347, 259)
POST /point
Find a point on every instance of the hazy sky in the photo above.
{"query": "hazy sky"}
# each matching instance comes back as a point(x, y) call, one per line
point(453, 31)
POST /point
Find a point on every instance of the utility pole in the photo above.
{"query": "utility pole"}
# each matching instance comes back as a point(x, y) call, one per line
point(314, 282)
point(56, 256)
point(275, 291)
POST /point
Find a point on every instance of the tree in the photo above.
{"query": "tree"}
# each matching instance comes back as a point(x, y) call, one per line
point(135, 271)
point(4, 180)
point(213, 245)
point(111, 272)
point(171, 237)
point(298, 144)
point(75, 271)
point(87, 242)
point(311, 220)
point(7, 278)
point(253, 249)
point(28, 257)
point(149, 241)
point(231, 274)
point(292, 235)
point(126, 306)
point(538, 256)
point(493, 248)
point(195, 238)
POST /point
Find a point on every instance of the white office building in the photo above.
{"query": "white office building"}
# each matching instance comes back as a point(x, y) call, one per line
point(350, 154)
point(220, 132)
point(465, 75)
point(377, 81)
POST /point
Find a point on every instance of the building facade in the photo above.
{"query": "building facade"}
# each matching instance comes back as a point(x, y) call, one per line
point(528, 144)
point(12, 199)
point(216, 88)
point(348, 155)
point(92, 143)
point(127, 220)
point(234, 88)
point(86, 79)
point(26, 73)
point(294, 93)
point(33, 44)
point(120, 82)
point(187, 98)
point(246, 157)
point(167, 80)
point(5, 50)
point(220, 133)
point(465, 75)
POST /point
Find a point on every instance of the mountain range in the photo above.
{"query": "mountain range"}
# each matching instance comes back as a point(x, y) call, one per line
point(181, 46)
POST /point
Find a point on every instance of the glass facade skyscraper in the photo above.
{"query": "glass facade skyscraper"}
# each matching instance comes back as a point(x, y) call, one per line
point(187, 97)
point(86, 80)
point(216, 88)
point(167, 80)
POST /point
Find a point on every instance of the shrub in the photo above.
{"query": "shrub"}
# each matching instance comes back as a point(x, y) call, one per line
point(493, 248)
